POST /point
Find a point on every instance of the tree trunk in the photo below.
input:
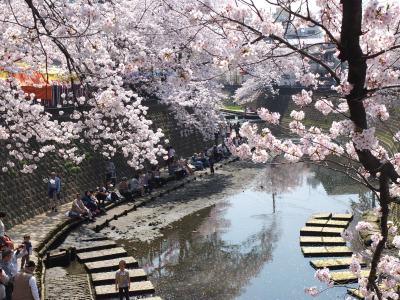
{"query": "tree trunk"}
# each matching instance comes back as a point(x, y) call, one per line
point(350, 51)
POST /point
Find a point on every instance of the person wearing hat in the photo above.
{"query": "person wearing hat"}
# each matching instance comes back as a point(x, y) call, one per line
point(25, 286)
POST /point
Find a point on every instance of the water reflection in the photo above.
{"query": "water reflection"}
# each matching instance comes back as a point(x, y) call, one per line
point(198, 262)
point(241, 248)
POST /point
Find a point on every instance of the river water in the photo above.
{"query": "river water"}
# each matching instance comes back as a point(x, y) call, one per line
point(247, 245)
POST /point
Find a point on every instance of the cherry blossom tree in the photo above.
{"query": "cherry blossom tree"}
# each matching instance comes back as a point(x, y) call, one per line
point(121, 53)
point(263, 40)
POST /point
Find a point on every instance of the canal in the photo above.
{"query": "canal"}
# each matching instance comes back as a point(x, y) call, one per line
point(246, 246)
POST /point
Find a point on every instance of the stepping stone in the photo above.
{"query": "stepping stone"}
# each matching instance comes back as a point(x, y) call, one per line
point(137, 288)
point(101, 254)
point(326, 251)
point(347, 276)
point(342, 217)
point(109, 277)
point(316, 222)
point(321, 231)
point(94, 246)
point(337, 223)
point(333, 263)
point(355, 293)
point(321, 216)
point(327, 223)
point(322, 241)
point(110, 265)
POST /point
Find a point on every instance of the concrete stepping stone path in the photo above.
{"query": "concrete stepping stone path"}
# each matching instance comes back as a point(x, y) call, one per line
point(109, 277)
point(321, 237)
point(101, 254)
point(331, 263)
point(326, 251)
point(96, 245)
point(341, 277)
point(322, 241)
point(101, 259)
point(327, 223)
point(321, 231)
point(342, 217)
point(321, 216)
point(137, 288)
point(110, 264)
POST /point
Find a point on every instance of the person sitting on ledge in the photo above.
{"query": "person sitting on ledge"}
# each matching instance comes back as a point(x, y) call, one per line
point(157, 179)
point(225, 151)
point(135, 188)
point(198, 164)
point(173, 167)
point(150, 180)
point(101, 196)
point(204, 159)
point(123, 188)
point(179, 170)
point(184, 165)
point(79, 209)
point(91, 202)
point(144, 182)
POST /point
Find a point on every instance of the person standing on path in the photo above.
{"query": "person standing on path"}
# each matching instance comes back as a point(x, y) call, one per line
point(122, 281)
point(54, 190)
point(28, 248)
point(25, 286)
point(211, 161)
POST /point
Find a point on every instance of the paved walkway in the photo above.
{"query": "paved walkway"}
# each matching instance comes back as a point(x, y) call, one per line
point(39, 226)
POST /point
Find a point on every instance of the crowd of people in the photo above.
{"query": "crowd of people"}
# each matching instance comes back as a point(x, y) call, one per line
point(17, 281)
point(92, 203)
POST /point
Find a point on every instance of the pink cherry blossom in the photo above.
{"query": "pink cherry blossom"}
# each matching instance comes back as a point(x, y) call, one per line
point(363, 226)
point(323, 275)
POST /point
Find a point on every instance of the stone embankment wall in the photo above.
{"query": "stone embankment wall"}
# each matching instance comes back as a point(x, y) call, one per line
point(25, 195)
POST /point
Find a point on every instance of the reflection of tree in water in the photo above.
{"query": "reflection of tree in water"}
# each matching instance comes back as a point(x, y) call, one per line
point(204, 266)
point(366, 201)
point(281, 177)
point(336, 183)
